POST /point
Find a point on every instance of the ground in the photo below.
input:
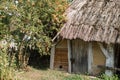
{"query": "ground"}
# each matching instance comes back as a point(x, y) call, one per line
point(38, 74)
point(35, 74)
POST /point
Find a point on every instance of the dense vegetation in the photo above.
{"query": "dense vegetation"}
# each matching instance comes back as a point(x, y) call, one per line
point(27, 25)
point(6, 72)
point(32, 22)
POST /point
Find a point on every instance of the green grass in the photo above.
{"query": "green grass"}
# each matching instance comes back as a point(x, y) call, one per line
point(105, 77)
point(75, 77)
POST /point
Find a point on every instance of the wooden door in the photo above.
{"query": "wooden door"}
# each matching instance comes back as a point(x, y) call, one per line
point(79, 58)
point(117, 57)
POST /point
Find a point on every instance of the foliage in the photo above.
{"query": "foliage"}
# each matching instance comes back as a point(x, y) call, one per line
point(79, 77)
point(6, 72)
point(31, 23)
point(105, 77)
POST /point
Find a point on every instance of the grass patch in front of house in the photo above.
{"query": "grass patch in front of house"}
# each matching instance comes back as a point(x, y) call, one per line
point(39, 74)
point(105, 77)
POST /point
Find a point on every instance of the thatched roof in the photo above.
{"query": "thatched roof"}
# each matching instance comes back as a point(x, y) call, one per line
point(93, 20)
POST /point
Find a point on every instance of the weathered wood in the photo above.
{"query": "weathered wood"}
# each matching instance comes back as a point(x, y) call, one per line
point(88, 20)
point(109, 54)
point(104, 50)
point(69, 56)
point(90, 58)
point(61, 59)
point(79, 56)
point(52, 57)
point(110, 60)
point(117, 57)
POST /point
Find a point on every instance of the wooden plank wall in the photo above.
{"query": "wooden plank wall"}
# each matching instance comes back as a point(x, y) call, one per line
point(61, 59)
point(79, 59)
point(61, 56)
point(98, 59)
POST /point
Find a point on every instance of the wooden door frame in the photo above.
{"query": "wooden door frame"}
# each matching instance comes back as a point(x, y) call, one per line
point(69, 56)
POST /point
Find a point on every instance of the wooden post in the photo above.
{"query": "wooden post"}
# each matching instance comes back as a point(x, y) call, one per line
point(69, 55)
point(52, 57)
point(110, 60)
point(109, 54)
point(90, 58)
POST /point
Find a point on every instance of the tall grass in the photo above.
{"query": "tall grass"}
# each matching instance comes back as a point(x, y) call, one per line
point(6, 72)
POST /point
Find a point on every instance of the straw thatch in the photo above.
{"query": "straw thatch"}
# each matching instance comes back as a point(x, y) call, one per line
point(93, 20)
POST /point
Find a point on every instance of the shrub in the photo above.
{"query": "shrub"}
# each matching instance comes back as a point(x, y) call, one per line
point(105, 77)
point(6, 72)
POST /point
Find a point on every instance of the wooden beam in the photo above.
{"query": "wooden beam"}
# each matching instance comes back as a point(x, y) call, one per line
point(52, 57)
point(69, 55)
point(58, 34)
point(110, 60)
point(90, 58)
point(104, 50)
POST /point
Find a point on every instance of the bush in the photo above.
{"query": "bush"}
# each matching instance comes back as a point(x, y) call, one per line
point(105, 77)
point(6, 72)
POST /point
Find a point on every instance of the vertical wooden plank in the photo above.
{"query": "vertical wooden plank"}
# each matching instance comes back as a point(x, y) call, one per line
point(110, 60)
point(69, 55)
point(90, 58)
point(52, 57)
point(79, 56)
point(117, 57)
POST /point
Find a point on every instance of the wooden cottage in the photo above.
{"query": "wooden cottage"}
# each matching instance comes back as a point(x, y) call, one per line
point(89, 40)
